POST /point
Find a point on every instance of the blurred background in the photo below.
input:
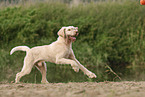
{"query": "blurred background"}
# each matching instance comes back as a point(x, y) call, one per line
point(112, 33)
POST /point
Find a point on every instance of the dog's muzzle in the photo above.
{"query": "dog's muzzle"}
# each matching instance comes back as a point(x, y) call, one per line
point(73, 38)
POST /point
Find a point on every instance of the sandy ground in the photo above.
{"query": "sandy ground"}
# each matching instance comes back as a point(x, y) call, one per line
point(72, 89)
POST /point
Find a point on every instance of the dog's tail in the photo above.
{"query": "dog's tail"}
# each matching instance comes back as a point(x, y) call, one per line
point(19, 48)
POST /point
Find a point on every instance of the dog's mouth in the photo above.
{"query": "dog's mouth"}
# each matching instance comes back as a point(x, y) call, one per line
point(73, 38)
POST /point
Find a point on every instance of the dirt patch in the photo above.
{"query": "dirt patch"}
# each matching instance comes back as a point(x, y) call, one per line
point(72, 89)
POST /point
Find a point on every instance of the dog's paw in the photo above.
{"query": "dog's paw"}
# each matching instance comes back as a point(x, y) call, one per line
point(91, 75)
point(44, 82)
point(75, 68)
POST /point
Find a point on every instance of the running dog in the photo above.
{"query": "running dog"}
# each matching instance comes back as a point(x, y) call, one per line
point(58, 52)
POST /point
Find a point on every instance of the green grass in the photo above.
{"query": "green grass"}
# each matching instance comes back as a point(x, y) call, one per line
point(110, 32)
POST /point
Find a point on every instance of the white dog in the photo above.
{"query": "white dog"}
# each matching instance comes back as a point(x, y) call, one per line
point(59, 52)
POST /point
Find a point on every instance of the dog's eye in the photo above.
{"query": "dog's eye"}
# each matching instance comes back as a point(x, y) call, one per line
point(69, 29)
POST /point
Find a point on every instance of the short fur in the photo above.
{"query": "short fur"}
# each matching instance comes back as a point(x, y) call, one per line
point(58, 52)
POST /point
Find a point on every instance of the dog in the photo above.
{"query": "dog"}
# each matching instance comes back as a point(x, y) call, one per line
point(58, 52)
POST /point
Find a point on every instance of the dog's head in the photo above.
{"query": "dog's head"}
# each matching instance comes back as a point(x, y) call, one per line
point(69, 32)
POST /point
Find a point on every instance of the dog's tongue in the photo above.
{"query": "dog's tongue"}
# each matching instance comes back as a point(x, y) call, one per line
point(72, 38)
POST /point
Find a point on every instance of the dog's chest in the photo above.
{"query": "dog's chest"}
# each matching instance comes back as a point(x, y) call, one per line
point(67, 53)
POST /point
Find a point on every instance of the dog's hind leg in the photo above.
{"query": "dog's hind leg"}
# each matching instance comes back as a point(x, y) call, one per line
point(41, 66)
point(27, 67)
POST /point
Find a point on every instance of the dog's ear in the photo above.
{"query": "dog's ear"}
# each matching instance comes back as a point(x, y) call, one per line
point(61, 32)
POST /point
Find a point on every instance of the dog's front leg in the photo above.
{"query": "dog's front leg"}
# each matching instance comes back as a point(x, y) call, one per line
point(68, 61)
point(85, 70)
